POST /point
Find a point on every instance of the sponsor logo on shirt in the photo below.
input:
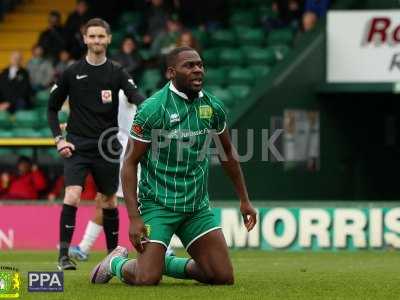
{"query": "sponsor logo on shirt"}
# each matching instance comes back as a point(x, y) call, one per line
point(55, 86)
point(106, 96)
point(205, 112)
point(174, 118)
point(132, 82)
point(79, 77)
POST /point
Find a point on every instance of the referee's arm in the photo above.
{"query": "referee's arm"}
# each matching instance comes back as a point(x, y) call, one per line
point(130, 89)
point(58, 94)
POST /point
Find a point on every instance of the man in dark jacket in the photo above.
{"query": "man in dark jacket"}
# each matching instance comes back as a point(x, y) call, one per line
point(15, 87)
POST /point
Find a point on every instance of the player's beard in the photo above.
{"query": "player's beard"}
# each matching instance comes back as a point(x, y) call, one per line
point(98, 49)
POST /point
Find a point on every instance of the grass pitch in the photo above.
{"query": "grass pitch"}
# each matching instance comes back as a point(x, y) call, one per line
point(258, 275)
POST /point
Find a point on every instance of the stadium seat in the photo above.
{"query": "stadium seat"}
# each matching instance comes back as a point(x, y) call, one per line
point(129, 18)
point(280, 37)
point(215, 76)
point(25, 132)
point(26, 118)
point(243, 19)
point(259, 56)
point(211, 57)
point(241, 76)
point(5, 133)
point(5, 120)
point(223, 38)
point(117, 37)
point(211, 88)
point(223, 95)
point(45, 132)
point(6, 151)
point(150, 79)
point(202, 37)
point(42, 98)
point(24, 151)
point(259, 71)
point(231, 57)
point(281, 51)
point(250, 37)
point(239, 92)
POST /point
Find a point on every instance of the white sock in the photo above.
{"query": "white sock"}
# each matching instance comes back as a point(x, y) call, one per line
point(92, 232)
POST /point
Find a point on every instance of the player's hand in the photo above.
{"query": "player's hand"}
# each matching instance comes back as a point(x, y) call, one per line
point(65, 148)
point(137, 233)
point(249, 214)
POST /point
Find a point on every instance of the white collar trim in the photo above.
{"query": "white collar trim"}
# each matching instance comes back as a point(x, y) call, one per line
point(99, 64)
point(183, 95)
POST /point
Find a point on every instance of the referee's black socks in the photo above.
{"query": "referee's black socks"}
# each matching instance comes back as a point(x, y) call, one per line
point(67, 226)
point(111, 227)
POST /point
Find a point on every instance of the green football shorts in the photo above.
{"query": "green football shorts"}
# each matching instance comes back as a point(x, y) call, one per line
point(162, 223)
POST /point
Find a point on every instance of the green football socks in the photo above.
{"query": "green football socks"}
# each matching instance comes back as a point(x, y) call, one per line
point(116, 266)
point(176, 267)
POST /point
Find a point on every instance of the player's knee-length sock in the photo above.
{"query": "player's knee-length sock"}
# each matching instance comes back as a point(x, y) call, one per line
point(67, 226)
point(111, 227)
point(116, 265)
point(92, 232)
point(176, 267)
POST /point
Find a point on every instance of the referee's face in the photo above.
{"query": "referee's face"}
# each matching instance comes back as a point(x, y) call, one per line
point(97, 39)
point(188, 72)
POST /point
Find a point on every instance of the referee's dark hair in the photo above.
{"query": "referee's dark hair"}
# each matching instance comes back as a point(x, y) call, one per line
point(173, 54)
point(97, 22)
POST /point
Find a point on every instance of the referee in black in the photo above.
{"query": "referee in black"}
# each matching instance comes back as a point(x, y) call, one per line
point(92, 85)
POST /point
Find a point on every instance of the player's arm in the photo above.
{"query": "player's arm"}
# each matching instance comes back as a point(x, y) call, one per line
point(58, 94)
point(134, 152)
point(130, 89)
point(230, 163)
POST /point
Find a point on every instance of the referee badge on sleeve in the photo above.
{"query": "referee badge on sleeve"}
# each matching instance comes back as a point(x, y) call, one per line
point(106, 96)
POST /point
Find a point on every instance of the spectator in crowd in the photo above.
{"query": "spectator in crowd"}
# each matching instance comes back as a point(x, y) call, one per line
point(26, 184)
point(155, 17)
point(52, 39)
point(207, 13)
point(15, 87)
point(314, 9)
point(286, 13)
point(130, 58)
point(76, 46)
point(88, 193)
point(76, 19)
point(64, 61)
point(309, 20)
point(186, 38)
point(165, 41)
point(41, 71)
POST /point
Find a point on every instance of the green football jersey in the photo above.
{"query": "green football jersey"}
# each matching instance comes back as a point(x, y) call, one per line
point(174, 170)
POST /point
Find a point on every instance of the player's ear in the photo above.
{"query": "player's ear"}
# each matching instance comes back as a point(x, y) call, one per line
point(109, 38)
point(171, 73)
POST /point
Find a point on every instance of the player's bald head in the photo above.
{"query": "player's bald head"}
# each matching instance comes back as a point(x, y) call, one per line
point(172, 57)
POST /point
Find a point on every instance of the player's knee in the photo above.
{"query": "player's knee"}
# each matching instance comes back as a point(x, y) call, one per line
point(148, 279)
point(224, 278)
point(72, 196)
point(109, 201)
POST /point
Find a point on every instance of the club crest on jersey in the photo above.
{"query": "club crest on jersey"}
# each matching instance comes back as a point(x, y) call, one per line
point(137, 129)
point(205, 112)
point(174, 118)
point(106, 96)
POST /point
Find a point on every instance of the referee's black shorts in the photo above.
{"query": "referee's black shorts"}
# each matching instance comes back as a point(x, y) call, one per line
point(85, 159)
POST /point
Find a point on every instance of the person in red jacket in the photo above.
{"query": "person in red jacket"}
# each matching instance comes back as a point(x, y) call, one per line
point(24, 185)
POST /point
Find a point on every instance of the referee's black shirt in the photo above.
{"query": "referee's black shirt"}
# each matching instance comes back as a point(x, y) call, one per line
point(93, 97)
